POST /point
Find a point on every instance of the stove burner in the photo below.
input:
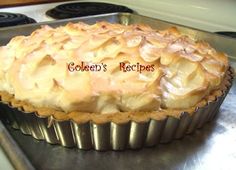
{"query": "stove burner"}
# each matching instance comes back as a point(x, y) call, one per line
point(12, 19)
point(72, 10)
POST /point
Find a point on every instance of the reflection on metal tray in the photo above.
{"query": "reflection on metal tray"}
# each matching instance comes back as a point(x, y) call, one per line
point(222, 43)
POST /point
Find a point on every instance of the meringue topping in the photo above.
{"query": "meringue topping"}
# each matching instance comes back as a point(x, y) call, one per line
point(35, 68)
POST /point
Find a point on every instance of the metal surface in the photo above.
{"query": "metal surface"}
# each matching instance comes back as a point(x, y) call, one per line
point(14, 153)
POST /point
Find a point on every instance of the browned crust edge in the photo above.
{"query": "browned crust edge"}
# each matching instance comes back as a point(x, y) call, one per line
point(121, 117)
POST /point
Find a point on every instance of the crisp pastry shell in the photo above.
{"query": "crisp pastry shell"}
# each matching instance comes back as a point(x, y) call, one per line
point(116, 131)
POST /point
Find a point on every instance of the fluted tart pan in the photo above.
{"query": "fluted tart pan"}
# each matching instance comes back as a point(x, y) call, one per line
point(111, 131)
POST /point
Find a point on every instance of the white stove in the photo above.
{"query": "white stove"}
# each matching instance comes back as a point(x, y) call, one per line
point(210, 15)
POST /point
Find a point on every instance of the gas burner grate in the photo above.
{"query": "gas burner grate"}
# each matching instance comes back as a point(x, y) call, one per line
point(12, 19)
point(72, 10)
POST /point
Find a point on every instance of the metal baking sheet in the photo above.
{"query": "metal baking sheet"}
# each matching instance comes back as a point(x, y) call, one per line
point(212, 147)
point(12, 150)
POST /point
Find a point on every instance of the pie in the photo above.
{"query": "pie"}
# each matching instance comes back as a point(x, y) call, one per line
point(109, 72)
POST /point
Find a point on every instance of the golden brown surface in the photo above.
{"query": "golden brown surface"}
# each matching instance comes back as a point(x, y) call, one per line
point(179, 72)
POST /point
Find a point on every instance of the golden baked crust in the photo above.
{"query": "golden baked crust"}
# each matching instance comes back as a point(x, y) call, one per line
point(120, 117)
point(181, 72)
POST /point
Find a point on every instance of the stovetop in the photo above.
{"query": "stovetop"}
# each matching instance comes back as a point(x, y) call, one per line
point(80, 9)
point(204, 15)
point(12, 19)
point(47, 12)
